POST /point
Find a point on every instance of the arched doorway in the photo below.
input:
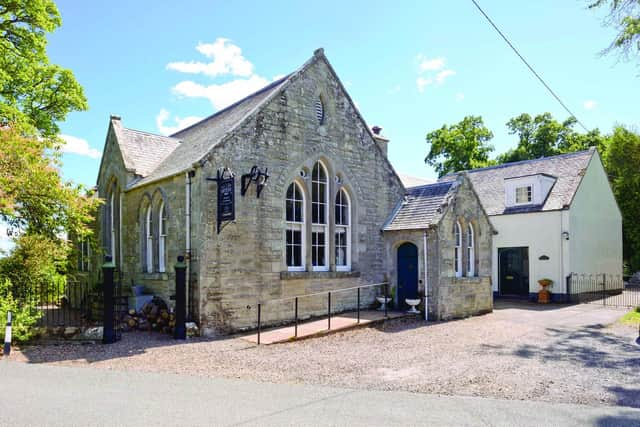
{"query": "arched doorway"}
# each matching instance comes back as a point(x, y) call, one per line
point(407, 273)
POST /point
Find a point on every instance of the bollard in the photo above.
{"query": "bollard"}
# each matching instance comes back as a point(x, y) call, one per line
point(7, 336)
point(180, 331)
point(108, 332)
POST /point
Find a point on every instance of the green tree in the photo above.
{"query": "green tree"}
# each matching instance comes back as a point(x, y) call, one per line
point(461, 146)
point(543, 136)
point(33, 92)
point(624, 15)
point(34, 96)
point(621, 160)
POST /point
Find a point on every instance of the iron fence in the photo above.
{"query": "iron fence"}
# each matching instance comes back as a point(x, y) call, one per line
point(604, 289)
point(72, 303)
point(314, 305)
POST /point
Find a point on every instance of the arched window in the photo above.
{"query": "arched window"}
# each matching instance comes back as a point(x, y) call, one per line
point(343, 231)
point(162, 230)
point(457, 251)
point(149, 239)
point(112, 225)
point(319, 211)
point(471, 257)
point(294, 234)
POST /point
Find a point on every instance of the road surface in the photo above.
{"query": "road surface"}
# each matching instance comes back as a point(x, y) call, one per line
point(46, 395)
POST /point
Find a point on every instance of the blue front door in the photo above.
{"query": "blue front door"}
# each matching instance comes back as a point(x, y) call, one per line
point(407, 273)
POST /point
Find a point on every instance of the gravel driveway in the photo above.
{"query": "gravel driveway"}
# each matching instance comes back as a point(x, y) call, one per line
point(571, 354)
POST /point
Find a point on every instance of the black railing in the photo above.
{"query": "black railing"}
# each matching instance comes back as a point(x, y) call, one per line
point(605, 289)
point(344, 306)
point(62, 304)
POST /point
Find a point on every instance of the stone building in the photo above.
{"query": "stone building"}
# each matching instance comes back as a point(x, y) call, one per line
point(312, 191)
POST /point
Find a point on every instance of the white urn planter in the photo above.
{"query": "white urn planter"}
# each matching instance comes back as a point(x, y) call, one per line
point(383, 302)
point(413, 303)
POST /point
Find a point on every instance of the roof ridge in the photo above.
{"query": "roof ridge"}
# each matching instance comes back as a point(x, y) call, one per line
point(521, 162)
point(235, 104)
point(150, 133)
point(430, 185)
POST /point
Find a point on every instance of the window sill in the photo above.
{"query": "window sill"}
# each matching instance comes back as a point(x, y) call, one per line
point(155, 276)
point(296, 275)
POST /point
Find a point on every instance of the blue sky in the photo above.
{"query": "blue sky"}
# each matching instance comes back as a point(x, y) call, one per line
point(410, 66)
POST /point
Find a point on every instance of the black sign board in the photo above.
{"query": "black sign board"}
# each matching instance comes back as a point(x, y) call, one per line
point(226, 197)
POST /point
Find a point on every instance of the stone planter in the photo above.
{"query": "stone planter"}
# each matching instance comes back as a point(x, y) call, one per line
point(383, 302)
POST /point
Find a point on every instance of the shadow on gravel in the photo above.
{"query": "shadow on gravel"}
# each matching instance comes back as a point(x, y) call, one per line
point(592, 347)
point(131, 344)
point(506, 304)
point(627, 396)
point(630, 420)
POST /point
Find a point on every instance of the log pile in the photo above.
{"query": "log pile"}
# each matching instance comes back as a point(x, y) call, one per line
point(154, 316)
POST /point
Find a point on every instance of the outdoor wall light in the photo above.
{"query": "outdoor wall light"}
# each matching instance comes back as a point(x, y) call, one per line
point(565, 235)
point(257, 176)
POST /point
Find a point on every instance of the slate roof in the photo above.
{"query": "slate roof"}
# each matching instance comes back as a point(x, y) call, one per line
point(195, 145)
point(568, 170)
point(141, 151)
point(421, 207)
point(152, 160)
point(413, 181)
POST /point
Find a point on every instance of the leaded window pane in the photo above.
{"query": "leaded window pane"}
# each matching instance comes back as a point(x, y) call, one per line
point(318, 247)
point(319, 185)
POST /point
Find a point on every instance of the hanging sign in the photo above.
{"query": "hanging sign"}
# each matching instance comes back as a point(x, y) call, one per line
point(226, 196)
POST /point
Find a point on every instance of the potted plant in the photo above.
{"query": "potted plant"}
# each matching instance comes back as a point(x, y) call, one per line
point(544, 296)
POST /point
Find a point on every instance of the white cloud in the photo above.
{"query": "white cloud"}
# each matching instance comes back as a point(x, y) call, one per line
point(221, 95)
point(421, 82)
point(459, 96)
point(79, 146)
point(226, 59)
point(433, 64)
point(442, 75)
point(590, 104)
point(180, 123)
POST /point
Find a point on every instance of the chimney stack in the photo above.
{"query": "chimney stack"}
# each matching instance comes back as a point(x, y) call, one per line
point(380, 140)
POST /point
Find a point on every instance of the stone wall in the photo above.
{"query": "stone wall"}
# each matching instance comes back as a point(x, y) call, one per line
point(463, 297)
point(243, 264)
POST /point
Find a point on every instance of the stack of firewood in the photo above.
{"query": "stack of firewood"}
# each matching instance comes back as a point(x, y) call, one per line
point(154, 316)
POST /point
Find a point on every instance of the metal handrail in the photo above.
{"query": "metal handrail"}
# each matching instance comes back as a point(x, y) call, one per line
point(328, 293)
point(322, 293)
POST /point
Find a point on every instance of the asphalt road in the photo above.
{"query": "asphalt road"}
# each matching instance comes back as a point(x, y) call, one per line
point(44, 395)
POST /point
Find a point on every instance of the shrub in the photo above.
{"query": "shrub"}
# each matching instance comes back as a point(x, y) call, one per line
point(24, 314)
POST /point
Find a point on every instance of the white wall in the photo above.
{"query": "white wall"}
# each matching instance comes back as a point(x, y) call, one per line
point(596, 225)
point(541, 232)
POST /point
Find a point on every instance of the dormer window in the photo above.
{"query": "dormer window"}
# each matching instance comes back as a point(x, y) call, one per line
point(520, 191)
point(524, 194)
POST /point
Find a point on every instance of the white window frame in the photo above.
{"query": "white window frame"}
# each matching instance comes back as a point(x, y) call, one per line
point(112, 225)
point(296, 226)
point(320, 227)
point(471, 255)
point(162, 236)
point(457, 252)
point(343, 228)
point(149, 240)
point(529, 189)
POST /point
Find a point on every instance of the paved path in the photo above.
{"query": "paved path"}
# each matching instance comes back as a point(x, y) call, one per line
point(55, 396)
point(315, 328)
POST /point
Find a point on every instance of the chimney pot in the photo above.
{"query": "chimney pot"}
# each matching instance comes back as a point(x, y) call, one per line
point(376, 130)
